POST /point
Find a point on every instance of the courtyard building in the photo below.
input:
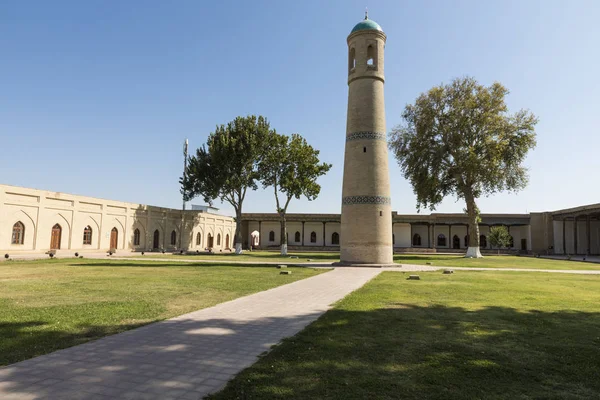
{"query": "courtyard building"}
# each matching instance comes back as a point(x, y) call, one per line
point(36, 221)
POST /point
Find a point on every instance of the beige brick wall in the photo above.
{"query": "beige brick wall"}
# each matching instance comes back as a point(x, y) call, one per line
point(39, 211)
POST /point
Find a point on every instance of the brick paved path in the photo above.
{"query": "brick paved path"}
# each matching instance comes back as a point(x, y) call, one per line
point(185, 357)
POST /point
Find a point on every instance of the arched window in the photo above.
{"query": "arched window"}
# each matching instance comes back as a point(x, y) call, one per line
point(87, 235)
point(198, 239)
point(156, 241)
point(297, 237)
point(456, 242)
point(227, 241)
point(136, 237)
point(18, 233)
point(351, 59)
point(218, 239)
point(482, 241)
point(271, 236)
point(371, 56)
point(173, 238)
point(416, 240)
point(313, 237)
point(335, 238)
point(441, 240)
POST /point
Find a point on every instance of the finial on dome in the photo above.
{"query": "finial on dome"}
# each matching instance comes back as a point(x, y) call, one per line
point(366, 13)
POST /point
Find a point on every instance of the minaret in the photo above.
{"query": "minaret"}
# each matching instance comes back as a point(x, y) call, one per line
point(366, 234)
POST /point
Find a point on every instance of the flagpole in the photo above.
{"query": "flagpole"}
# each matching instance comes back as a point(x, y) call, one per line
point(185, 157)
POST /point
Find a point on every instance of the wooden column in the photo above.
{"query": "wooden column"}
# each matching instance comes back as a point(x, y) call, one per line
point(428, 235)
point(587, 230)
point(259, 234)
point(575, 235)
point(433, 234)
point(564, 236)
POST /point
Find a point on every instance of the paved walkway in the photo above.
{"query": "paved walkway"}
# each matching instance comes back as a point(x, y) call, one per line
point(185, 357)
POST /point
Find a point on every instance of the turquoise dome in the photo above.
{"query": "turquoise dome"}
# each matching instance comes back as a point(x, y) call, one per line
point(367, 25)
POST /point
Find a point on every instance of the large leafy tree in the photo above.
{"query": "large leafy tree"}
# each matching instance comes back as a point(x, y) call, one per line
point(459, 139)
point(291, 166)
point(227, 166)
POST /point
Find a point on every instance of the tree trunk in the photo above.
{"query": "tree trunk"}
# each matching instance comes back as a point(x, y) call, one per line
point(283, 235)
point(473, 212)
point(238, 230)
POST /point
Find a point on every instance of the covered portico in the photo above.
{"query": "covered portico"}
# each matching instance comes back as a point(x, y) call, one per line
point(577, 231)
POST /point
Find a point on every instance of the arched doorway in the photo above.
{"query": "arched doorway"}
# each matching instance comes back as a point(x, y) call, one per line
point(482, 241)
point(114, 238)
point(156, 241)
point(456, 242)
point(227, 241)
point(335, 238)
point(55, 237)
point(416, 240)
point(210, 241)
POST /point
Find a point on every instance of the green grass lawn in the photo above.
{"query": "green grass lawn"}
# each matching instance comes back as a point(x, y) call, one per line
point(254, 256)
point(508, 261)
point(52, 304)
point(444, 260)
point(470, 335)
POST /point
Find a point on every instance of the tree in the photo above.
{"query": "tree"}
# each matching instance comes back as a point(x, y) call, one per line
point(227, 166)
point(499, 237)
point(459, 139)
point(291, 166)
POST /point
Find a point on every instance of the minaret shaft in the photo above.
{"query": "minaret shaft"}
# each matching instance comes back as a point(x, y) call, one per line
point(366, 232)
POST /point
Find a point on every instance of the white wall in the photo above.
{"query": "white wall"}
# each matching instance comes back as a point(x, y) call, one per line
point(402, 235)
point(422, 231)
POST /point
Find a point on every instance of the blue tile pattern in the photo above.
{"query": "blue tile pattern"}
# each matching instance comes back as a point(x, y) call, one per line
point(366, 135)
point(380, 200)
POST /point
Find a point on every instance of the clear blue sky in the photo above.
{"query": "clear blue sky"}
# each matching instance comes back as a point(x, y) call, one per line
point(96, 96)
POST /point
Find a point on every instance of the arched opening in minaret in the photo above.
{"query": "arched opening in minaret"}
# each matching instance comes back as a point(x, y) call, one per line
point(371, 55)
point(351, 59)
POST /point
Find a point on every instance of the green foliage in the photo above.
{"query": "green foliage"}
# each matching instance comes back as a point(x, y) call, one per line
point(291, 166)
point(459, 139)
point(499, 237)
point(227, 165)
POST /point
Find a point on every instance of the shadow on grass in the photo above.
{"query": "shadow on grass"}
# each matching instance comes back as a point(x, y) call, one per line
point(412, 352)
point(249, 256)
point(23, 340)
point(398, 257)
point(175, 264)
point(400, 352)
point(182, 350)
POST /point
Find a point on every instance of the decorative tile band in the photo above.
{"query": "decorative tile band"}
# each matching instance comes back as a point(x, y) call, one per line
point(365, 136)
point(380, 200)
